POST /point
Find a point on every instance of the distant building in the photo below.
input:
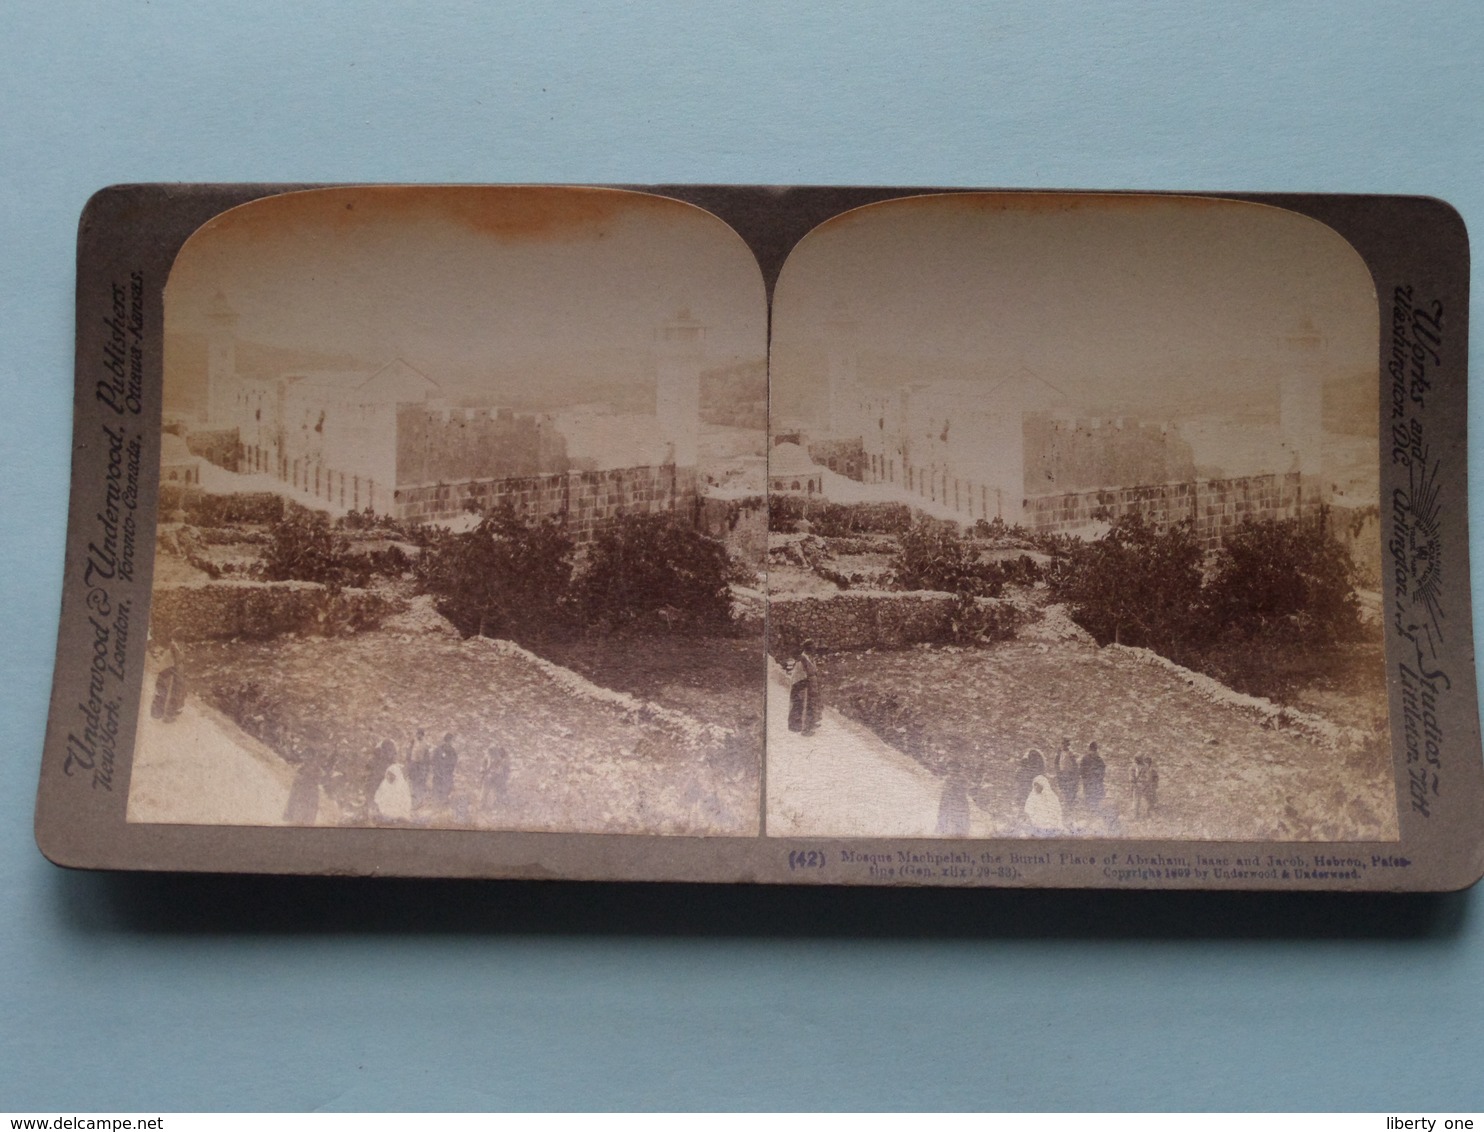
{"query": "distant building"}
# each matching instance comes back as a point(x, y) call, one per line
point(221, 359)
point(390, 439)
point(845, 456)
point(178, 464)
point(960, 444)
point(991, 449)
point(791, 470)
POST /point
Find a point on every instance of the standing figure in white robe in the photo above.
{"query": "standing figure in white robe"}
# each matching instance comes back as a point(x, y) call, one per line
point(394, 796)
point(1042, 806)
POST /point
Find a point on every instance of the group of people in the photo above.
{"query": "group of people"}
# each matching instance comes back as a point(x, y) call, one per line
point(1052, 795)
point(422, 787)
point(1047, 790)
point(391, 790)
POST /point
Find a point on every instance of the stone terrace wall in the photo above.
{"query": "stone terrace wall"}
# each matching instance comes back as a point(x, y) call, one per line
point(858, 620)
point(1214, 506)
point(587, 500)
point(229, 609)
point(863, 619)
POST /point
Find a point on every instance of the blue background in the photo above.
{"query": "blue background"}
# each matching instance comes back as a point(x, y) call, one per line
point(205, 993)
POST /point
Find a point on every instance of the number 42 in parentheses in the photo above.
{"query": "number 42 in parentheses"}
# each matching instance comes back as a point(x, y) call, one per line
point(806, 859)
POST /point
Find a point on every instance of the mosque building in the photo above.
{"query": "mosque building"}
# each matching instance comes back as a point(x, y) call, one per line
point(391, 440)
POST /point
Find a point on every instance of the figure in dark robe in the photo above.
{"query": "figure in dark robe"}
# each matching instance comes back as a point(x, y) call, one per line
point(382, 757)
point(170, 690)
point(304, 795)
point(445, 763)
point(1064, 768)
point(804, 707)
point(494, 777)
point(953, 807)
point(419, 769)
point(1091, 770)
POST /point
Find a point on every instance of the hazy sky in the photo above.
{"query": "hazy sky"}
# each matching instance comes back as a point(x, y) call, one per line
point(530, 283)
point(1132, 303)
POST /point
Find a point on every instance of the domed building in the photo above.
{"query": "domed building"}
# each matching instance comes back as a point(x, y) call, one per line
point(791, 470)
point(178, 464)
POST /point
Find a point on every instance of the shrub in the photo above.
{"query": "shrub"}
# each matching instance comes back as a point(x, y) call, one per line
point(390, 562)
point(1289, 574)
point(1136, 585)
point(837, 520)
point(1022, 570)
point(931, 556)
point(210, 510)
point(996, 530)
point(1277, 602)
point(368, 522)
point(862, 544)
point(303, 547)
point(508, 577)
point(650, 570)
point(365, 520)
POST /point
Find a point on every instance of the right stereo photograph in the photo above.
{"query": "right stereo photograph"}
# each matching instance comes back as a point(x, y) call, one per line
point(1074, 525)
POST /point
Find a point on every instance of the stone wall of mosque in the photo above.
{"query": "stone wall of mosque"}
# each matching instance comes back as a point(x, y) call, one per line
point(438, 444)
point(586, 501)
point(1213, 506)
point(1063, 454)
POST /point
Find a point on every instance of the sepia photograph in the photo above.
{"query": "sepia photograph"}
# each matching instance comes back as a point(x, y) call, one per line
point(462, 517)
point(804, 535)
point(1074, 525)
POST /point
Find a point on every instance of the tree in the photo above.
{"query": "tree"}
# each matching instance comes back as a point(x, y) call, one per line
point(1136, 585)
point(1285, 575)
point(508, 577)
point(652, 570)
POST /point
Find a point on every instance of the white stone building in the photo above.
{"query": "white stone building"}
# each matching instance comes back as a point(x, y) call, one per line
point(377, 438)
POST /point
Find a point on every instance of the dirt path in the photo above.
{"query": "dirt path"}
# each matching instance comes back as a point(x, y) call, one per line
point(843, 781)
point(202, 769)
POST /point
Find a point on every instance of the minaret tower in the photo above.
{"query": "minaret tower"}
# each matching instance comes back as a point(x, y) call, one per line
point(680, 350)
point(1301, 399)
point(221, 362)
